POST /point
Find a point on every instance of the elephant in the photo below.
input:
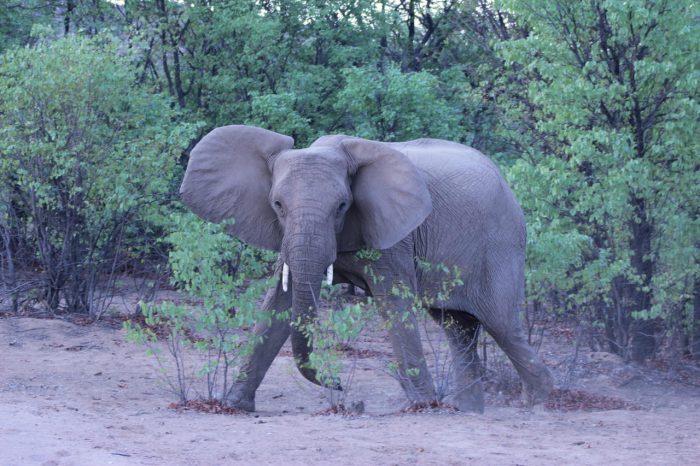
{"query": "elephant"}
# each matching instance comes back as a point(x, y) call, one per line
point(436, 200)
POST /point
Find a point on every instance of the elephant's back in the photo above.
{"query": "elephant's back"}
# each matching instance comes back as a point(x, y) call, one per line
point(474, 210)
point(456, 173)
point(440, 159)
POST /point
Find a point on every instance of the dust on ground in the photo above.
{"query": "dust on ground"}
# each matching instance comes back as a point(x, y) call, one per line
point(82, 395)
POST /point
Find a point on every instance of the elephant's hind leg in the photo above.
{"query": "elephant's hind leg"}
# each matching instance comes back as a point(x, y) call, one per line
point(536, 378)
point(466, 371)
point(498, 309)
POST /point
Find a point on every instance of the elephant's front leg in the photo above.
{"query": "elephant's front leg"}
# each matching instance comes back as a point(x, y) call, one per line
point(412, 371)
point(274, 333)
point(396, 266)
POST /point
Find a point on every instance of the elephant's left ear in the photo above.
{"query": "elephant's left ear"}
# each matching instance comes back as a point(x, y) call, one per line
point(390, 194)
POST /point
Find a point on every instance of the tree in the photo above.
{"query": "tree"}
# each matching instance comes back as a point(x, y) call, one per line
point(612, 88)
point(396, 106)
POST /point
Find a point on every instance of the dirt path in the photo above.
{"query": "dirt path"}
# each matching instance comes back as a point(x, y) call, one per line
point(73, 395)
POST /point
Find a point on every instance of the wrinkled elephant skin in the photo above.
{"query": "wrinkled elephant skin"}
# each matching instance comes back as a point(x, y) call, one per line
point(439, 201)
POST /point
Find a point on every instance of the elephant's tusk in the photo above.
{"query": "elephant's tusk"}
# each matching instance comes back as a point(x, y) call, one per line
point(285, 277)
point(329, 275)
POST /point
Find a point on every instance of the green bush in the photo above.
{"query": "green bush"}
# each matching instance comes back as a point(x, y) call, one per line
point(207, 339)
point(396, 106)
point(335, 334)
point(88, 159)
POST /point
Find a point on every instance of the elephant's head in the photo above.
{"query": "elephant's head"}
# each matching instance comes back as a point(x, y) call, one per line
point(340, 194)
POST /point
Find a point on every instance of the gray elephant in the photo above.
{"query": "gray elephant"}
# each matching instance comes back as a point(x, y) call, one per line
point(431, 199)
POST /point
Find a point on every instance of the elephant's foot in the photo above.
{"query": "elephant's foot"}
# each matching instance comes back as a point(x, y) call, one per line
point(240, 400)
point(469, 399)
point(419, 391)
point(537, 390)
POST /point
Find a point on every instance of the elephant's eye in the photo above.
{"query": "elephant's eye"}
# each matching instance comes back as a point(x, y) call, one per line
point(278, 207)
point(341, 208)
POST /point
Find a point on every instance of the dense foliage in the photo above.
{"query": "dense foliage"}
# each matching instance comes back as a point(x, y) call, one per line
point(591, 108)
point(86, 156)
point(611, 89)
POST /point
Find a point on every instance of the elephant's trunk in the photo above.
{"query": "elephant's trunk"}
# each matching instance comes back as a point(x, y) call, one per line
point(304, 304)
point(308, 267)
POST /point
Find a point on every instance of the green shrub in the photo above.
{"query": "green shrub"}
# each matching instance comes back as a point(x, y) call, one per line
point(334, 335)
point(206, 340)
point(87, 160)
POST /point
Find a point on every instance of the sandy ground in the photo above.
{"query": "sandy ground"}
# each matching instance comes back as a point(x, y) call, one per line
point(82, 395)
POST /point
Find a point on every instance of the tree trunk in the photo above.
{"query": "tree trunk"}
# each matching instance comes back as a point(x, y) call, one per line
point(70, 6)
point(410, 63)
point(695, 327)
point(7, 270)
point(642, 342)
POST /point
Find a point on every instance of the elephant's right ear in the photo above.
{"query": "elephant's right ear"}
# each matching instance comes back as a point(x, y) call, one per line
point(228, 176)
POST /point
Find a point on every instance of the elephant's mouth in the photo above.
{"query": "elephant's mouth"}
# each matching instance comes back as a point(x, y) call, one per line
point(285, 276)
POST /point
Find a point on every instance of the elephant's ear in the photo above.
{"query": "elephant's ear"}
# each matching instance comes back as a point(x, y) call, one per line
point(228, 176)
point(390, 194)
